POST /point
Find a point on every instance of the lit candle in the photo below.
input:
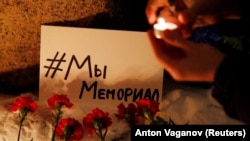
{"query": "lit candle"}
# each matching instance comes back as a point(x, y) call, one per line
point(162, 25)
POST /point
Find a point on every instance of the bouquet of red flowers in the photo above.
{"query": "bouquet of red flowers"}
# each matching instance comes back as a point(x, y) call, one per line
point(143, 111)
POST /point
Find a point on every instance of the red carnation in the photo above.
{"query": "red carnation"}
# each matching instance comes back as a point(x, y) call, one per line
point(127, 113)
point(147, 108)
point(69, 129)
point(23, 104)
point(96, 122)
point(58, 99)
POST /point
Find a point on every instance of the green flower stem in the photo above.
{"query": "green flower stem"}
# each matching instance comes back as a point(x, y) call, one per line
point(102, 136)
point(68, 131)
point(57, 118)
point(22, 115)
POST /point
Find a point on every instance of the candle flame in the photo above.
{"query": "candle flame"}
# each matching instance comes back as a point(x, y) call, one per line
point(161, 20)
point(162, 25)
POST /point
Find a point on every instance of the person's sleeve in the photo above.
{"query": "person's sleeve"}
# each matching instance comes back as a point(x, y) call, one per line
point(232, 87)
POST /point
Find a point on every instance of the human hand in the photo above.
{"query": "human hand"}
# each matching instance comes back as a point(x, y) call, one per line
point(190, 14)
point(162, 8)
point(186, 60)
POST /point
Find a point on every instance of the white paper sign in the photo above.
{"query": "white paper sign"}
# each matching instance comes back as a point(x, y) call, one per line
point(98, 67)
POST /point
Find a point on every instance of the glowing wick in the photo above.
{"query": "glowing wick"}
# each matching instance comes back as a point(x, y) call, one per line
point(162, 25)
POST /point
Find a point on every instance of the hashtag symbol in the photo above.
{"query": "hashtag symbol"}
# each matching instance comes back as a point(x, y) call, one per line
point(58, 61)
